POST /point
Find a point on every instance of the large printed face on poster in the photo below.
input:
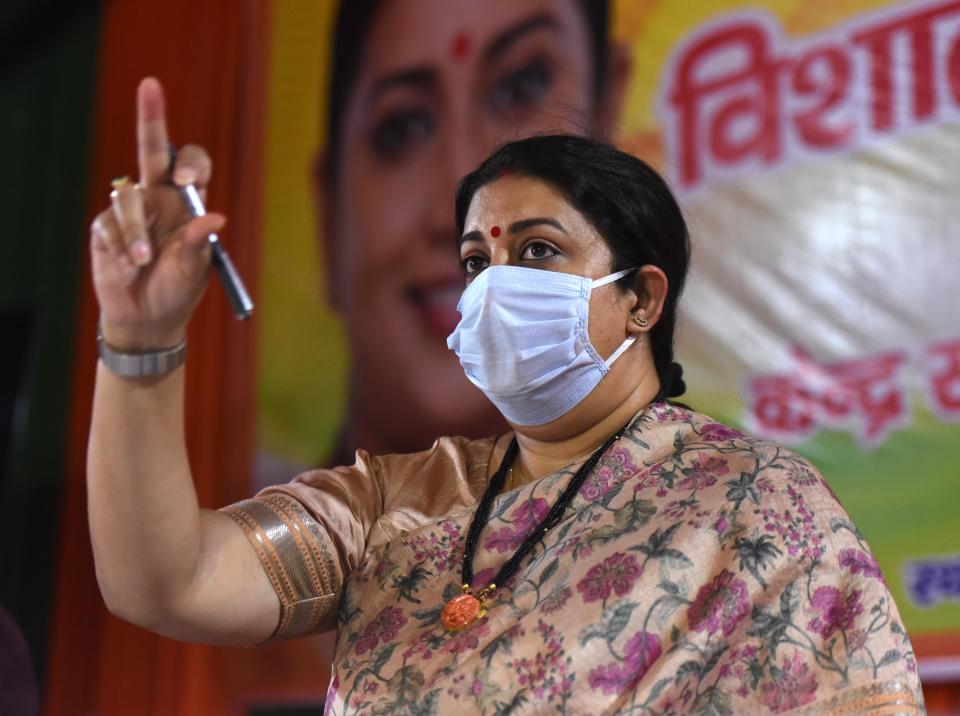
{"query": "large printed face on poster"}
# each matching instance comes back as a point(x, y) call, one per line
point(815, 149)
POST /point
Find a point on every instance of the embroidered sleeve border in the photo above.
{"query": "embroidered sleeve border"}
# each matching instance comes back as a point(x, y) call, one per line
point(298, 557)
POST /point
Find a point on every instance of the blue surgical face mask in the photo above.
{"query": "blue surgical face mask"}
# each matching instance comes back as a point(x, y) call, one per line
point(522, 339)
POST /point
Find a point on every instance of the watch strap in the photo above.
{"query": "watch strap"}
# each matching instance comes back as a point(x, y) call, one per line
point(144, 364)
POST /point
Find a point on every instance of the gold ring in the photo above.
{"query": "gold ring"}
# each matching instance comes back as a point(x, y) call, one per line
point(118, 183)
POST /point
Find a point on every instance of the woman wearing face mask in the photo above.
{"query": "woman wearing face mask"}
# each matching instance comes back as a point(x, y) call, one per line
point(612, 553)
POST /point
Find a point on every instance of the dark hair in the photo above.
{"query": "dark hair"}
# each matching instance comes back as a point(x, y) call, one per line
point(627, 202)
point(350, 30)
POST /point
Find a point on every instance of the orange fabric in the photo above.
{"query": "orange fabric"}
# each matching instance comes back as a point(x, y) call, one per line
point(210, 58)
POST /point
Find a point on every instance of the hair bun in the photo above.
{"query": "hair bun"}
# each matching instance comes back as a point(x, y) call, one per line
point(674, 385)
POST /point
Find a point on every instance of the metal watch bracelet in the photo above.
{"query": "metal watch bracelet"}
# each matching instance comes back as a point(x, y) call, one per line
point(146, 364)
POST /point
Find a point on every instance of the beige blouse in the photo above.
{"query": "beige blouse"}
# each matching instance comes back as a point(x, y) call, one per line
point(699, 569)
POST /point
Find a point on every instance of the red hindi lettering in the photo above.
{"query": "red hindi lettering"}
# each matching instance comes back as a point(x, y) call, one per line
point(830, 88)
point(879, 44)
point(866, 388)
point(782, 406)
point(755, 98)
point(865, 394)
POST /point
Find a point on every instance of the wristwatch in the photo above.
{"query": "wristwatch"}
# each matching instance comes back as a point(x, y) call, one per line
point(144, 364)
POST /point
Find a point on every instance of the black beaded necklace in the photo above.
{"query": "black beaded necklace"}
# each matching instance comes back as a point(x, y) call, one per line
point(468, 606)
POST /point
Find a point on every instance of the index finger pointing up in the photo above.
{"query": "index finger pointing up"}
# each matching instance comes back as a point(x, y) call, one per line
point(152, 152)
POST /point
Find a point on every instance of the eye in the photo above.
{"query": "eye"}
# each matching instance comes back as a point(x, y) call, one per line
point(401, 131)
point(522, 88)
point(474, 264)
point(537, 251)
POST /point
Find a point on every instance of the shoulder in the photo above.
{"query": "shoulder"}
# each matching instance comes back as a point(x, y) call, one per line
point(685, 431)
point(755, 477)
point(757, 493)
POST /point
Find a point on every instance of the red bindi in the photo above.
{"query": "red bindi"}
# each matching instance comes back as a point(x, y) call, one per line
point(495, 231)
point(460, 45)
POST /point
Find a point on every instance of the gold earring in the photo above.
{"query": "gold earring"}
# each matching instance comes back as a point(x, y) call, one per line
point(641, 321)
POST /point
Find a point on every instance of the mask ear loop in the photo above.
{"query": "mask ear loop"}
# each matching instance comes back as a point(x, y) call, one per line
point(629, 341)
point(611, 278)
point(620, 351)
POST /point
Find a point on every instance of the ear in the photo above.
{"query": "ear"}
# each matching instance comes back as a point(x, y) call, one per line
point(324, 203)
point(650, 288)
point(619, 71)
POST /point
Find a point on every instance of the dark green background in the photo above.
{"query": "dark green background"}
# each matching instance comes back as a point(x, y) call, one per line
point(48, 57)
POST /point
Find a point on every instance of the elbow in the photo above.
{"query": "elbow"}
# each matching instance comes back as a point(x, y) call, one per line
point(133, 605)
point(119, 600)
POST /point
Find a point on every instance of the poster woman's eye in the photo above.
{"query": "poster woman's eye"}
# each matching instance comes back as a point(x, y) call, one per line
point(401, 131)
point(522, 88)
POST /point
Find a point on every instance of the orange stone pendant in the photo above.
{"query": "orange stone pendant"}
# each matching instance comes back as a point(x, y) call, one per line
point(461, 611)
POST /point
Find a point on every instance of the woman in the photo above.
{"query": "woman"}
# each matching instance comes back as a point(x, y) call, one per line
point(420, 92)
point(613, 553)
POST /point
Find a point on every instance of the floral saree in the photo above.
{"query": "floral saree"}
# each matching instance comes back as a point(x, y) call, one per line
point(699, 570)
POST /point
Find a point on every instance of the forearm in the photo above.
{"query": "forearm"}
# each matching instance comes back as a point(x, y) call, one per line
point(144, 518)
point(161, 562)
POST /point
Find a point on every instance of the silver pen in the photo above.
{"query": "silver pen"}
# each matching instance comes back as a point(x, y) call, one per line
point(236, 292)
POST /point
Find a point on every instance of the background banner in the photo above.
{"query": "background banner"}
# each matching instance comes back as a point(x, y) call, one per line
point(813, 144)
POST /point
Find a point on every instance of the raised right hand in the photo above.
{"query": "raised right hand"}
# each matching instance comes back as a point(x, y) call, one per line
point(150, 257)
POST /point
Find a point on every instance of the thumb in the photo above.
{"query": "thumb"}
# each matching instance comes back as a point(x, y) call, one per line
point(195, 247)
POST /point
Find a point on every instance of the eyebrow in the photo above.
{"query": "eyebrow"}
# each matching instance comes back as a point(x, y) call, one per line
point(425, 78)
point(415, 78)
point(515, 228)
point(541, 21)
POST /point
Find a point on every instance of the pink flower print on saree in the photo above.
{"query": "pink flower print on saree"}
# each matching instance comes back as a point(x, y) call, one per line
point(793, 685)
point(616, 574)
point(837, 610)
point(858, 561)
point(616, 466)
point(703, 472)
point(739, 665)
point(718, 433)
point(720, 605)
point(547, 673)
point(640, 653)
point(802, 476)
point(384, 628)
point(798, 529)
point(597, 484)
point(443, 550)
point(468, 639)
point(524, 518)
point(426, 644)
point(554, 601)
point(665, 413)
